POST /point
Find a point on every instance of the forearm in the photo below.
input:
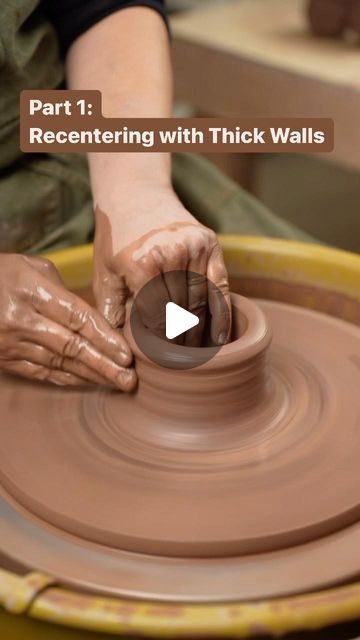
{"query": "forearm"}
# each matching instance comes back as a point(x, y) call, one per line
point(132, 70)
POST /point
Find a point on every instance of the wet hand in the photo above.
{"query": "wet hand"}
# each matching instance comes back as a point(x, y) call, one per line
point(49, 334)
point(154, 235)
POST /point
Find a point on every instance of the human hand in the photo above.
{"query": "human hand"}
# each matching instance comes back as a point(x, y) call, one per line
point(49, 334)
point(150, 234)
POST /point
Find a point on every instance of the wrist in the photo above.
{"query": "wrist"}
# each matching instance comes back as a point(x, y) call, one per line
point(128, 172)
point(144, 199)
point(130, 214)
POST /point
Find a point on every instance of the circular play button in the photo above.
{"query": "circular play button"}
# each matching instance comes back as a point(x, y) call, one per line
point(180, 319)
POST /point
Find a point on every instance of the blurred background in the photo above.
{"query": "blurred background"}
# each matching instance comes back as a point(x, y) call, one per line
point(241, 58)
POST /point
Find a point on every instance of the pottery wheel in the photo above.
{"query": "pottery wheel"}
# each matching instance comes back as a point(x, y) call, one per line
point(262, 502)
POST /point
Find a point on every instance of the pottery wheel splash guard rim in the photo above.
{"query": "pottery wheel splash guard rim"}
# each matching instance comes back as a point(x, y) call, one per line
point(134, 576)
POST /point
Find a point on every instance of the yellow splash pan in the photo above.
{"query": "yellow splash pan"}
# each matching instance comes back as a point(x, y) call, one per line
point(266, 266)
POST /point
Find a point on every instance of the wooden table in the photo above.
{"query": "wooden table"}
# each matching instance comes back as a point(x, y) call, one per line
point(257, 58)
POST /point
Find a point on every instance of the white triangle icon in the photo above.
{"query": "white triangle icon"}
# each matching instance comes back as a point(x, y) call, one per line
point(178, 320)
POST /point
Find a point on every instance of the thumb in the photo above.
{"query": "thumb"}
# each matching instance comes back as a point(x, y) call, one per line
point(111, 294)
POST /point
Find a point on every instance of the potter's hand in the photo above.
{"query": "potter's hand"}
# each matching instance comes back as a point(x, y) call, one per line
point(48, 333)
point(150, 235)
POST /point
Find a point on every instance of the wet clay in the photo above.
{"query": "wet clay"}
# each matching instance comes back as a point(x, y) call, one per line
point(251, 458)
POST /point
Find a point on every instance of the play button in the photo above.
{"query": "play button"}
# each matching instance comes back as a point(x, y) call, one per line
point(178, 320)
point(171, 320)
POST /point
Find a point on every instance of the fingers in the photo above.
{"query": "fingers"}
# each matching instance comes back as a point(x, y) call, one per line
point(71, 345)
point(151, 305)
point(220, 312)
point(174, 267)
point(197, 292)
point(111, 295)
point(152, 302)
point(167, 274)
point(46, 267)
point(197, 304)
point(177, 287)
point(31, 371)
point(40, 355)
point(79, 319)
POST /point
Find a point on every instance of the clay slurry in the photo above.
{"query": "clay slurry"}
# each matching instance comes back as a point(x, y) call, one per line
point(178, 334)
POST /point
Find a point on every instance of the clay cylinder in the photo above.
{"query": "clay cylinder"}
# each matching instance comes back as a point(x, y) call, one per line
point(204, 399)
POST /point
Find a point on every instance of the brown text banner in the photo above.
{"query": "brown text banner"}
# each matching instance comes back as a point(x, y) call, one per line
point(72, 122)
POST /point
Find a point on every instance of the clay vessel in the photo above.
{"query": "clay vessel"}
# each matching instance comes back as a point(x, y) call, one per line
point(195, 405)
